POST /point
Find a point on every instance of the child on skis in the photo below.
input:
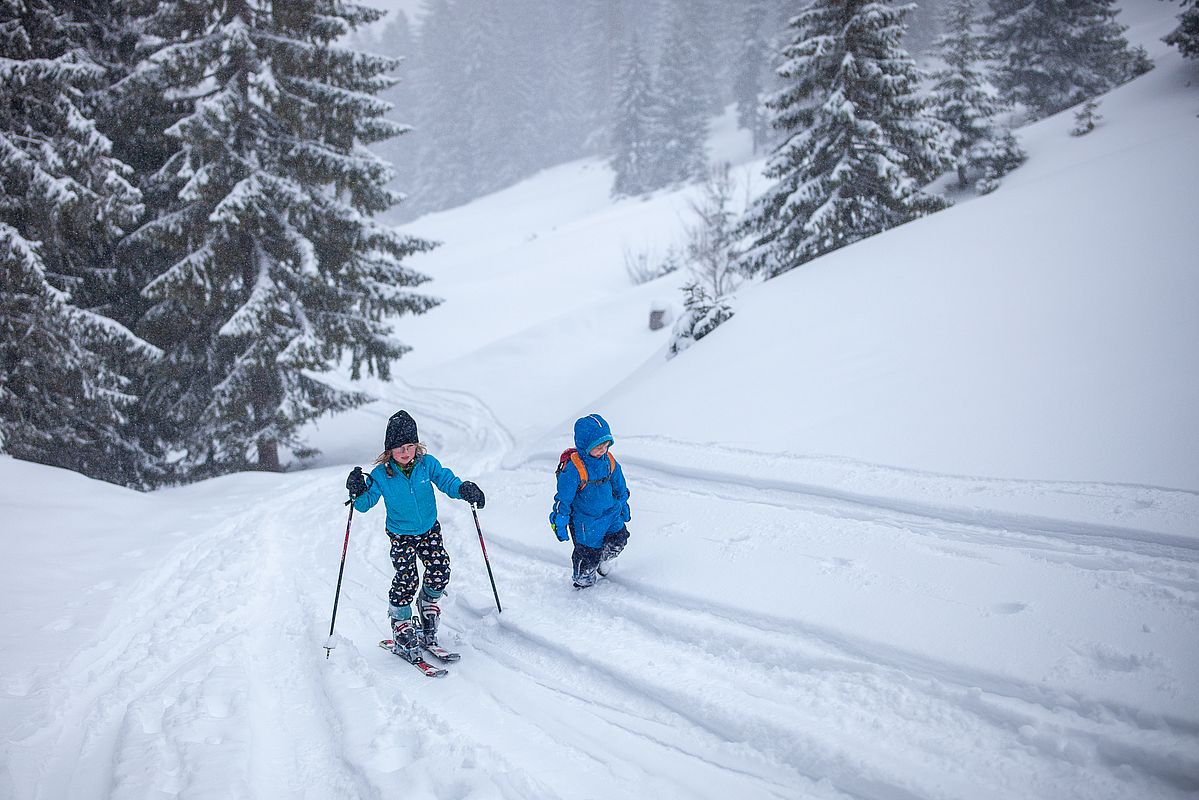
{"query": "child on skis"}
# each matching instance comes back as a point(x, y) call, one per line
point(404, 476)
point(591, 504)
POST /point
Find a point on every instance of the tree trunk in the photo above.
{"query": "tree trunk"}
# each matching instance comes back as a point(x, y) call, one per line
point(268, 455)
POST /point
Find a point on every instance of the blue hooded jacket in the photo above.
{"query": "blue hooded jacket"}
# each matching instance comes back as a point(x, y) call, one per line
point(602, 506)
point(411, 507)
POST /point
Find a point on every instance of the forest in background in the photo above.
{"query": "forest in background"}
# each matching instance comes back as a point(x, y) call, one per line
point(193, 227)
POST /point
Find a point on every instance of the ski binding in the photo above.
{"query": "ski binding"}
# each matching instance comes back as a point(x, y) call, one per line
point(425, 667)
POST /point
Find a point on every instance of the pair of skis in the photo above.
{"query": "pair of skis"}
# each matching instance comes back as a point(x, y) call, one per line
point(435, 650)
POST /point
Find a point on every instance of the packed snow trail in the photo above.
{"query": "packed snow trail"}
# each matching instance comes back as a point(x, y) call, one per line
point(752, 643)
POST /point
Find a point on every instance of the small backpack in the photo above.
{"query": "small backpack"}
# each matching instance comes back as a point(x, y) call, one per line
point(572, 455)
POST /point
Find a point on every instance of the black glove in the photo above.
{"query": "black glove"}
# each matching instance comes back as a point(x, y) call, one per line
point(472, 494)
point(356, 483)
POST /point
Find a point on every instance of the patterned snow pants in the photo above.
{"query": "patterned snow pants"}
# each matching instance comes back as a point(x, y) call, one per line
point(430, 548)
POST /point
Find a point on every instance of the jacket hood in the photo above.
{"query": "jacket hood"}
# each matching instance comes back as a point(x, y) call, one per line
point(590, 431)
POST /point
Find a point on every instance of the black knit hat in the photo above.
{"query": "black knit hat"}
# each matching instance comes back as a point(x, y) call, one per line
point(401, 430)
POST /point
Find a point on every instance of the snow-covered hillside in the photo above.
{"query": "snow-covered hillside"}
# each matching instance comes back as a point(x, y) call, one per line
point(1043, 332)
point(921, 521)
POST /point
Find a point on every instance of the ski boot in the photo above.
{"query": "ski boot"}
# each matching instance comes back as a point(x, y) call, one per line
point(406, 639)
point(430, 614)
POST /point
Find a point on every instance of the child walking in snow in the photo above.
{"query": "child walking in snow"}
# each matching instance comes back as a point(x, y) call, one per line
point(404, 476)
point(592, 502)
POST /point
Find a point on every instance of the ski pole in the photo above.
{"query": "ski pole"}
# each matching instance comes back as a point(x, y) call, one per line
point(486, 560)
point(329, 644)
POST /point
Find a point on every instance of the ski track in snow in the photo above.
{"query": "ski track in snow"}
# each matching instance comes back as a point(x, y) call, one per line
point(800, 680)
point(1171, 563)
point(211, 681)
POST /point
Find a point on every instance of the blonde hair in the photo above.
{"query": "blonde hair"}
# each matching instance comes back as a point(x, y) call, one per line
point(386, 460)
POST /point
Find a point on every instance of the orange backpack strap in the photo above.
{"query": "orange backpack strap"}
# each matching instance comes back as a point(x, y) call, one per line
point(577, 460)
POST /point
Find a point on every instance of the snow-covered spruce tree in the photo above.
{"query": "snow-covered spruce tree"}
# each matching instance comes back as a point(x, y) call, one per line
point(136, 123)
point(1186, 36)
point(750, 75)
point(1085, 118)
point(968, 101)
point(395, 40)
point(1053, 54)
point(861, 139)
point(707, 295)
point(702, 314)
point(271, 269)
point(633, 138)
point(683, 103)
point(64, 200)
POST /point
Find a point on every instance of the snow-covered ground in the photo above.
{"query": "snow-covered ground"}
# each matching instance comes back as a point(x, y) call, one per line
point(922, 521)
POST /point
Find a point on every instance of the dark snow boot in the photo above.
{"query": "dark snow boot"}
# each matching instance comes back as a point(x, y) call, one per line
point(613, 545)
point(406, 638)
point(584, 578)
point(430, 614)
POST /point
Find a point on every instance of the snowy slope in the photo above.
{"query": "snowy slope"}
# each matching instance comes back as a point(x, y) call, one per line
point(921, 522)
point(1041, 332)
point(1044, 331)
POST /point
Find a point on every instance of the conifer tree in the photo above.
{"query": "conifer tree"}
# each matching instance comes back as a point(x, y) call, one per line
point(270, 267)
point(702, 314)
point(135, 118)
point(473, 118)
point(600, 27)
point(749, 80)
point(1086, 118)
point(969, 102)
point(397, 40)
point(1186, 36)
point(65, 367)
point(489, 98)
point(1053, 54)
point(633, 144)
point(444, 128)
point(547, 75)
point(703, 24)
point(861, 139)
point(684, 100)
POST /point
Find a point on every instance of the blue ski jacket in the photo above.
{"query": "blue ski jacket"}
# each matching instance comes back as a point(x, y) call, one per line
point(411, 506)
point(602, 506)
